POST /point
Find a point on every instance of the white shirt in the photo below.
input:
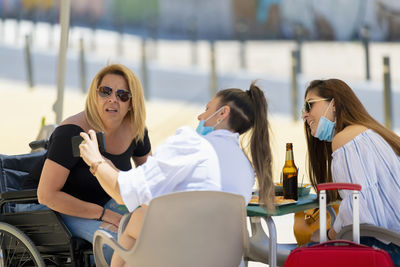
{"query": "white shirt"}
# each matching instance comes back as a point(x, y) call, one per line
point(237, 174)
point(188, 161)
point(370, 161)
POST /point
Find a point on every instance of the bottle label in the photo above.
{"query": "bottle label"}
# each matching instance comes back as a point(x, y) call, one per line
point(289, 155)
point(290, 186)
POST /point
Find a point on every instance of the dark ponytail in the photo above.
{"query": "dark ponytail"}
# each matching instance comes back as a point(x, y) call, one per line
point(249, 111)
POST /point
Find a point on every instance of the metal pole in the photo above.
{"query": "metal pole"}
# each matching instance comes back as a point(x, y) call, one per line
point(28, 59)
point(65, 6)
point(193, 31)
point(153, 34)
point(299, 42)
point(120, 43)
point(243, 54)
point(17, 30)
point(50, 34)
point(93, 40)
point(52, 25)
point(365, 41)
point(294, 84)
point(82, 65)
point(213, 70)
point(194, 53)
point(387, 92)
point(2, 20)
point(241, 29)
point(144, 69)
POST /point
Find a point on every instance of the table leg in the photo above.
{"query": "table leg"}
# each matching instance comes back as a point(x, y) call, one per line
point(272, 240)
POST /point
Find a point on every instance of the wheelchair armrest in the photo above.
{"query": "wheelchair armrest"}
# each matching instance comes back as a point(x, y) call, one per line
point(18, 196)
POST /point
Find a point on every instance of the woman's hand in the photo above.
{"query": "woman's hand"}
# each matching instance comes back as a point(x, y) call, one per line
point(331, 235)
point(112, 217)
point(315, 236)
point(89, 148)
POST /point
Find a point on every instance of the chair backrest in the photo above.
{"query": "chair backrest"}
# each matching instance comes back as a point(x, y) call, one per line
point(16, 169)
point(371, 231)
point(195, 228)
point(42, 138)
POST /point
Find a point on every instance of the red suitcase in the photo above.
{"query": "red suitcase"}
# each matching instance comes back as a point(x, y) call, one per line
point(338, 252)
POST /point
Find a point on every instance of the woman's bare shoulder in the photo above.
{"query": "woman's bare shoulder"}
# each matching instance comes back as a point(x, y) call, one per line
point(77, 119)
point(347, 134)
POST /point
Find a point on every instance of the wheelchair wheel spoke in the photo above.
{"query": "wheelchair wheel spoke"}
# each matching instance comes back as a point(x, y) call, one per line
point(17, 249)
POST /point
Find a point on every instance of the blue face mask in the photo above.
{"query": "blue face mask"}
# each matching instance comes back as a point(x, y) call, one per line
point(203, 130)
point(325, 129)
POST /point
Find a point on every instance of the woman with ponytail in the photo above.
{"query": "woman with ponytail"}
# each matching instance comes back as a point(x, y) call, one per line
point(209, 158)
point(238, 112)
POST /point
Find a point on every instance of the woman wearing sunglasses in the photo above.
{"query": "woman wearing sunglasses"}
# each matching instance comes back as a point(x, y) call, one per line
point(115, 106)
point(209, 158)
point(345, 144)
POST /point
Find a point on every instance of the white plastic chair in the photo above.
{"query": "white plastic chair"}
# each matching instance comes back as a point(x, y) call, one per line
point(372, 231)
point(195, 228)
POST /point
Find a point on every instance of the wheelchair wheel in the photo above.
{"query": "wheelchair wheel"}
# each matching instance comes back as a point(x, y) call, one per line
point(17, 249)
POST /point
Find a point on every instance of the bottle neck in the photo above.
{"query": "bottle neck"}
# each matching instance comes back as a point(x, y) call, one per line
point(289, 155)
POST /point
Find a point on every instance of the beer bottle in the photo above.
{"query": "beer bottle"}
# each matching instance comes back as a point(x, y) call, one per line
point(289, 175)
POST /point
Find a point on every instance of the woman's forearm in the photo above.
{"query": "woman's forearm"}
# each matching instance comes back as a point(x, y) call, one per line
point(69, 205)
point(105, 172)
point(108, 179)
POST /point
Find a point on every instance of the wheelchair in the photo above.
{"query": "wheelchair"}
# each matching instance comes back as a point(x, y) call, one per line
point(33, 238)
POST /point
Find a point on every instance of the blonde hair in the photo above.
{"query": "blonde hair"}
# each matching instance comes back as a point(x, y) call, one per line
point(136, 115)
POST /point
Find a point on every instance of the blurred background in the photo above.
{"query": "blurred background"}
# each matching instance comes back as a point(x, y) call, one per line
point(224, 19)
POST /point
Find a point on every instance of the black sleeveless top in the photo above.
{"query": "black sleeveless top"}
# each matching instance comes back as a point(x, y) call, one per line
point(80, 182)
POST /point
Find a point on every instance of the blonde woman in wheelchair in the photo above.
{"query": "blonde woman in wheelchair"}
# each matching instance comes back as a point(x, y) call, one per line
point(209, 158)
point(115, 106)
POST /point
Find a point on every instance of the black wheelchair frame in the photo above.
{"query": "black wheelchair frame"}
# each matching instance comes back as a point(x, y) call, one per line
point(33, 238)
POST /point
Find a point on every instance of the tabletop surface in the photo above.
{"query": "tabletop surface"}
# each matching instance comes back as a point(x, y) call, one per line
point(303, 203)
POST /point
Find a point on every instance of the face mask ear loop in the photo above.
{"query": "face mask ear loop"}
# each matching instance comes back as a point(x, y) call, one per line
point(328, 108)
point(218, 122)
point(209, 117)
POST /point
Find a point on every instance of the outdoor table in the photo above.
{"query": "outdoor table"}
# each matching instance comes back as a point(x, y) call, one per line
point(256, 212)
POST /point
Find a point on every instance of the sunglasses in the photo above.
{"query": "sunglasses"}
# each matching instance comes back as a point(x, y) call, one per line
point(106, 91)
point(309, 104)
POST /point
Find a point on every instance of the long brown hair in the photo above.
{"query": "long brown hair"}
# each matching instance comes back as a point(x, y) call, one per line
point(136, 115)
point(248, 110)
point(349, 111)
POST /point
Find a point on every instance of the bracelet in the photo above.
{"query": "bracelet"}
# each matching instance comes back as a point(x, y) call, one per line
point(95, 165)
point(327, 234)
point(102, 214)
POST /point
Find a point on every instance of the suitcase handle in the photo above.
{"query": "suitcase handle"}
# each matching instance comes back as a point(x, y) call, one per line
point(343, 243)
point(322, 207)
point(338, 186)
